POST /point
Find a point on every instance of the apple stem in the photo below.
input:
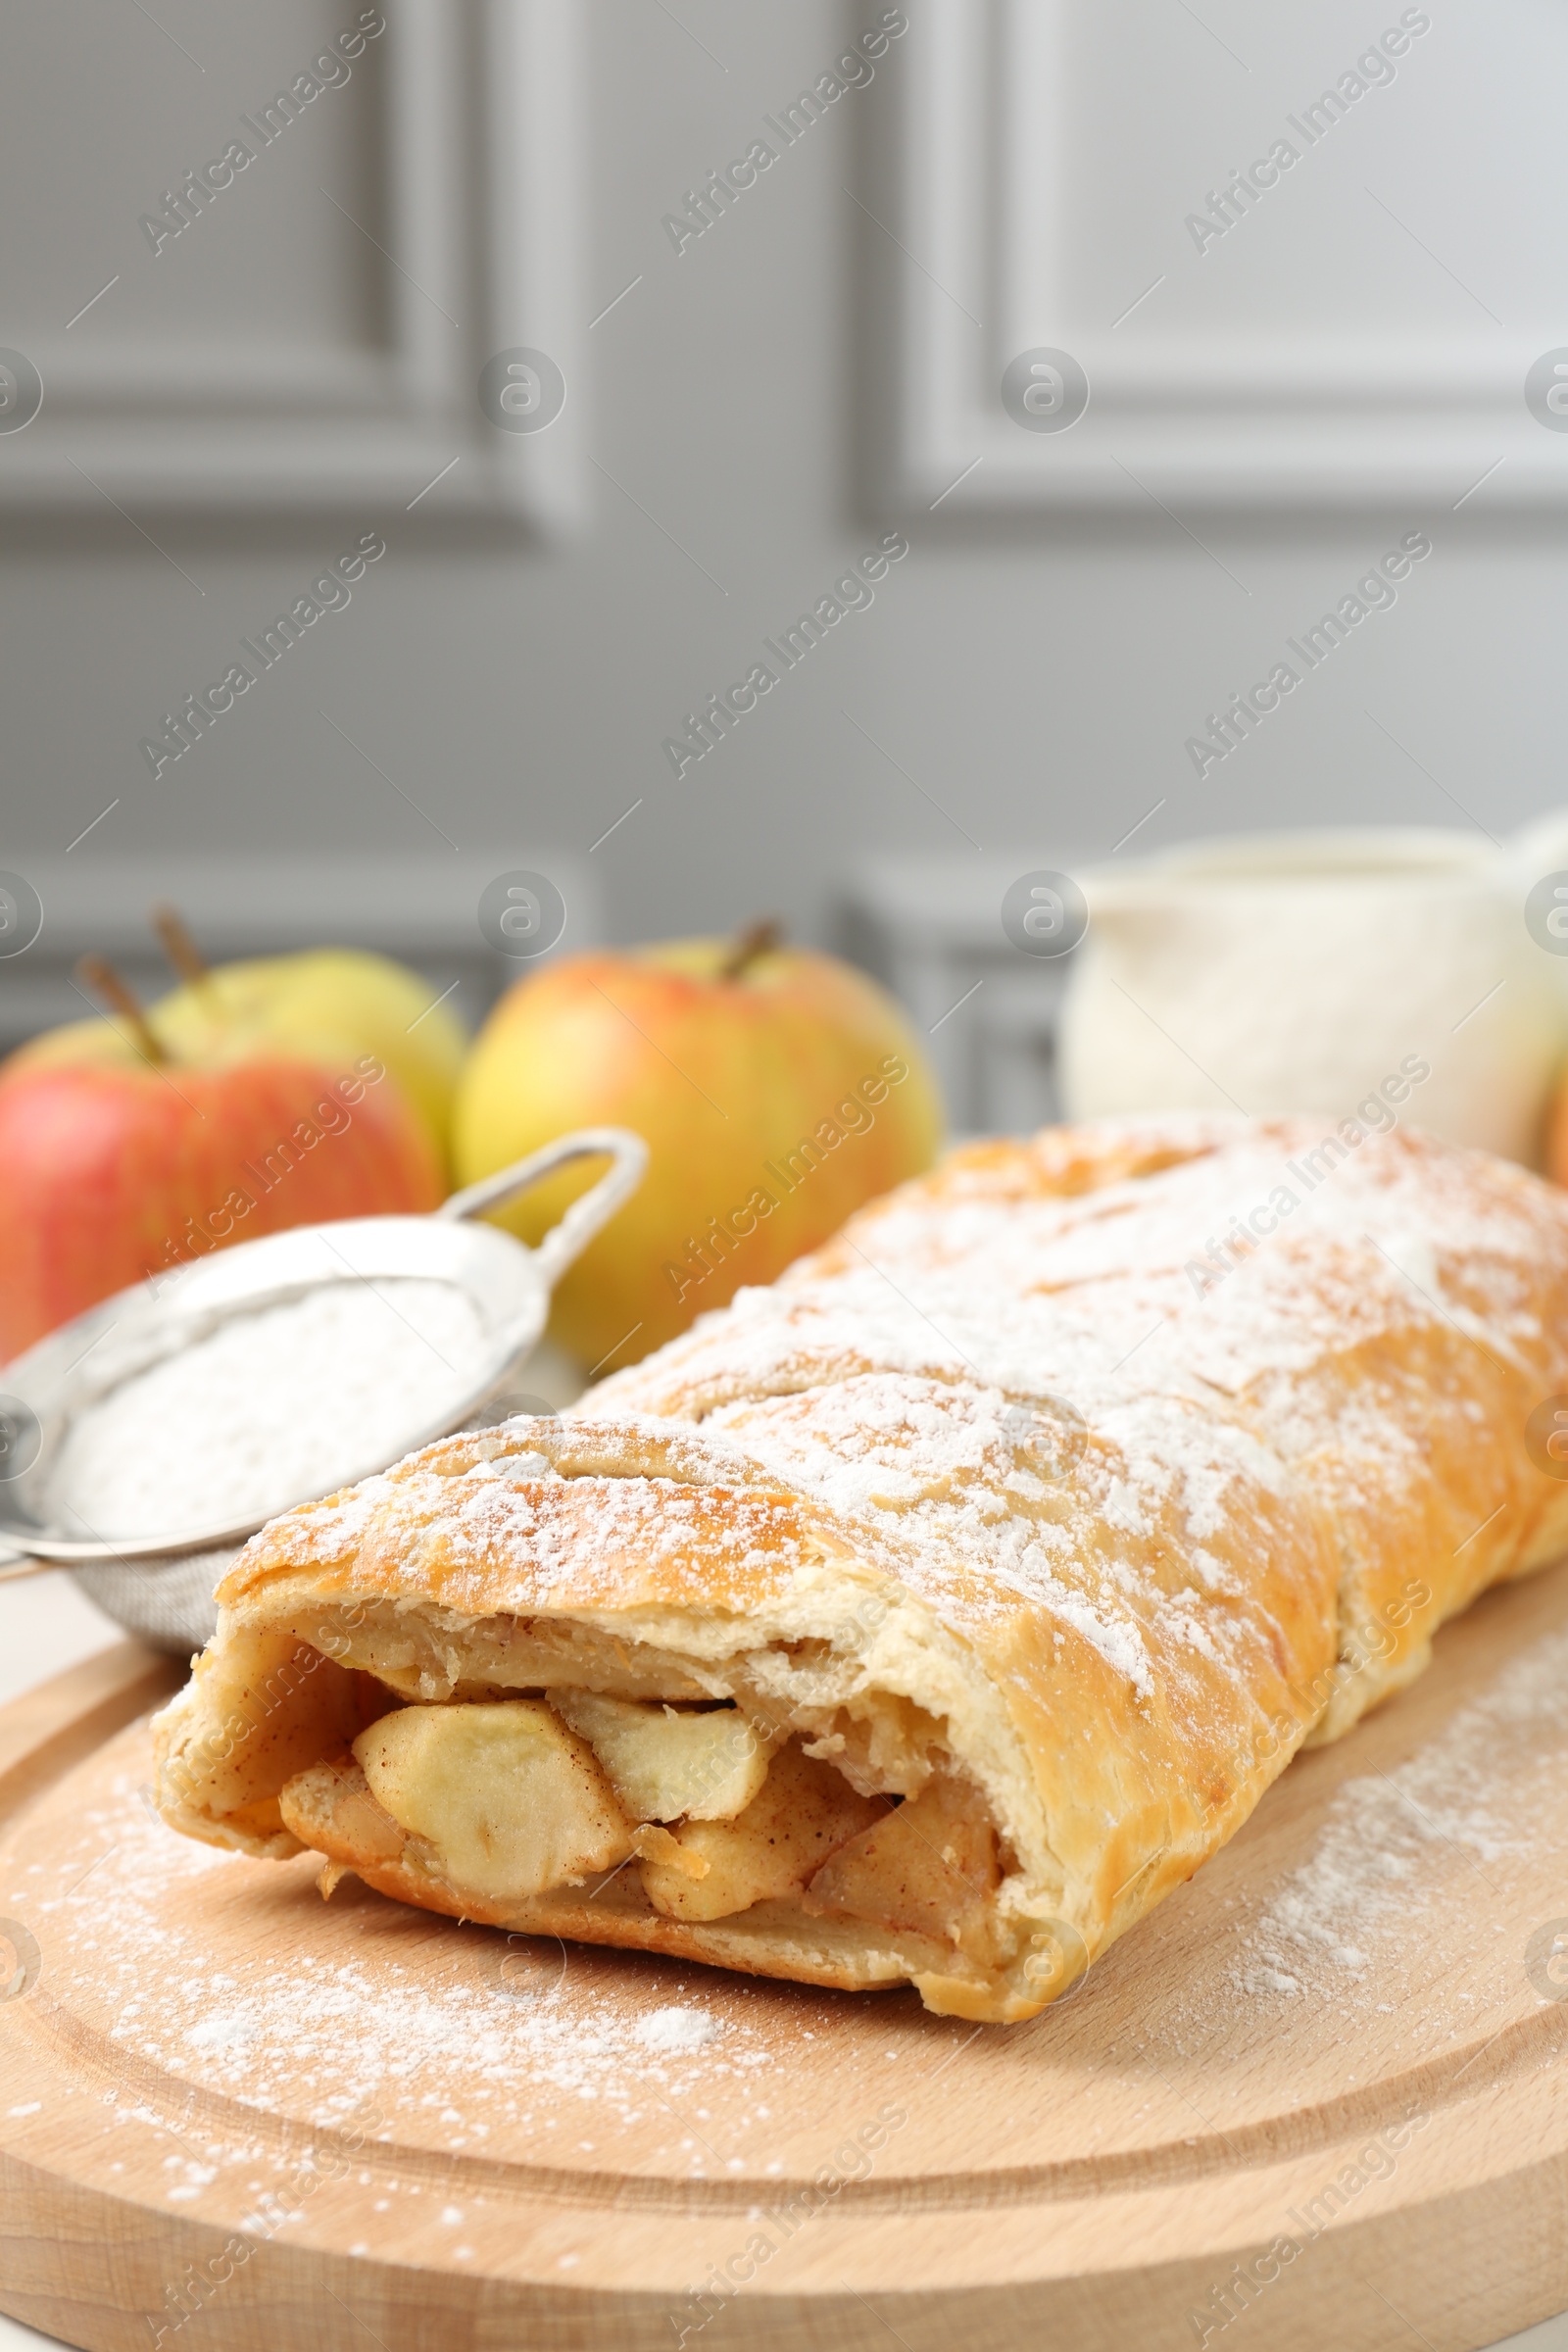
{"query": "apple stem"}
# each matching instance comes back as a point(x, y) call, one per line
point(757, 939)
point(179, 946)
point(99, 974)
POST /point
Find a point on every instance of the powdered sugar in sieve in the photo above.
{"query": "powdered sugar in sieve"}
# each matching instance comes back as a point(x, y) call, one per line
point(270, 1408)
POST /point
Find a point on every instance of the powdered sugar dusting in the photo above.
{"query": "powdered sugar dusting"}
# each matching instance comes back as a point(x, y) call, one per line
point(381, 2021)
point(1374, 1869)
point(678, 2030)
point(879, 1376)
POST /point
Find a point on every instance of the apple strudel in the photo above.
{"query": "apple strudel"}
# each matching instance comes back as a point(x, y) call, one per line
point(926, 1617)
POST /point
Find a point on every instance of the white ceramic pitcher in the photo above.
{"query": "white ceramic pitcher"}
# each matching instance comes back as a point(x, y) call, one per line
point(1296, 971)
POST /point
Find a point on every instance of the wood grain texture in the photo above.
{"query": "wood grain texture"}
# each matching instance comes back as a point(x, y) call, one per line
point(420, 2134)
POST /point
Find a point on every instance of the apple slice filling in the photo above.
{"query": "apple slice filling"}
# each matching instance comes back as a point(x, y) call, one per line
point(803, 1812)
point(502, 1800)
point(666, 1765)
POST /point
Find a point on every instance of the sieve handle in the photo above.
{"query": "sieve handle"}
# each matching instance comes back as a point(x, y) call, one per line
point(584, 1218)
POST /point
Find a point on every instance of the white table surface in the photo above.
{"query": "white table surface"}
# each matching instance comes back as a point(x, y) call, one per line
point(47, 1624)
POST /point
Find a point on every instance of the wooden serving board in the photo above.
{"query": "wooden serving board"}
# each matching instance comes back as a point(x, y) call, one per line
point(233, 2117)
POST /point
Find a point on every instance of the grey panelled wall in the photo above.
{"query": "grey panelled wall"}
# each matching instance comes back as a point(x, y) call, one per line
point(1020, 686)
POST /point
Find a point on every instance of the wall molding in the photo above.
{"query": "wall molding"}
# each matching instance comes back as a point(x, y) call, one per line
point(1334, 421)
point(420, 909)
point(930, 929)
point(480, 135)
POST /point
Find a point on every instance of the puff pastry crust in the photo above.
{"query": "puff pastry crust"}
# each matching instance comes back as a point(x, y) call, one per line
point(1031, 1526)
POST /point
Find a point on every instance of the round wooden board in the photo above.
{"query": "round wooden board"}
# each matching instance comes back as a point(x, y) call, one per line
point(233, 2117)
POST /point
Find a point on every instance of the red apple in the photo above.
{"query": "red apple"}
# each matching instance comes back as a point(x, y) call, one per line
point(116, 1162)
point(777, 1090)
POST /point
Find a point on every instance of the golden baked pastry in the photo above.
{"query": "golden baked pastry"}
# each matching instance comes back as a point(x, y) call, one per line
point(929, 1616)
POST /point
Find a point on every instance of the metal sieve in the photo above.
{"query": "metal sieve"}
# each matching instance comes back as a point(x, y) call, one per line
point(159, 1584)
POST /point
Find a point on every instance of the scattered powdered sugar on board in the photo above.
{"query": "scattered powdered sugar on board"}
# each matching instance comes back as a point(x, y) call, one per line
point(1381, 1860)
point(270, 1409)
point(488, 2044)
point(678, 2030)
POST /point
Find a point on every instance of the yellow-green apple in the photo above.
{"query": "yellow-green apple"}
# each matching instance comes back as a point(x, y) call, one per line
point(120, 1158)
point(325, 1006)
point(777, 1090)
point(321, 1004)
